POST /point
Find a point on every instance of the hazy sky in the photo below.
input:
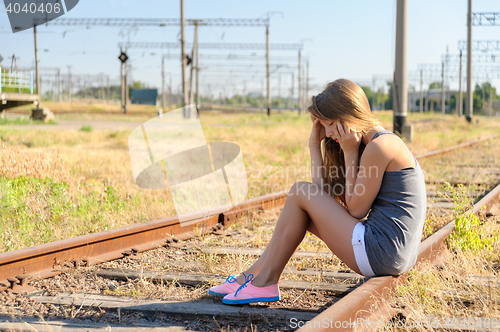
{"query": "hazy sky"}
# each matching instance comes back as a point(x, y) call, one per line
point(350, 39)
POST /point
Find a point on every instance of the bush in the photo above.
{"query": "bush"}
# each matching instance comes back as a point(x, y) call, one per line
point(87, 128)
point(468, 235)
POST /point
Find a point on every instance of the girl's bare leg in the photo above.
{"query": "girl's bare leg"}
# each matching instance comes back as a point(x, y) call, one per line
point(307, 208)
point(257, 265)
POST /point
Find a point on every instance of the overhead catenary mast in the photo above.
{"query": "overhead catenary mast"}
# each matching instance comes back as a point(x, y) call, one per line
point(400, 93)
point(176, 22)
point(173, 22)
point(185, 97)
point(468, 97)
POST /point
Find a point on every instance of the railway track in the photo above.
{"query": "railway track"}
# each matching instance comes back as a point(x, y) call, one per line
point(130, 275)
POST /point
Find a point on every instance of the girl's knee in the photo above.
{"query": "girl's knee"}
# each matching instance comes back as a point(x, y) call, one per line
point(304, 189)
point(299, 188)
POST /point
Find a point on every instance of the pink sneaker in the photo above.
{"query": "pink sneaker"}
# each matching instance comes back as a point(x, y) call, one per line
point(248, 293)
point(228, 287)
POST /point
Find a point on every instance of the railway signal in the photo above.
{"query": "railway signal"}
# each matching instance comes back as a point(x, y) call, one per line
point(123, 79)
point(123, 57)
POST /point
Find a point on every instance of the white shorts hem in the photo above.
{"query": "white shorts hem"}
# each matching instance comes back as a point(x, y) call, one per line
point(358, 246)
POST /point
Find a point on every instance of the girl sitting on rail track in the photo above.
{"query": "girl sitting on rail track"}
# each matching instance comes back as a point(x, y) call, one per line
point(362, 172)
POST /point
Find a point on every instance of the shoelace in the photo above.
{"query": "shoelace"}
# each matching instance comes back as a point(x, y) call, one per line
point(247, 280)
point(231, 279)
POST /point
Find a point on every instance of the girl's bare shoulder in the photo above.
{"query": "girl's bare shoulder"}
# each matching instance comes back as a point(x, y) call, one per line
point(395, 150)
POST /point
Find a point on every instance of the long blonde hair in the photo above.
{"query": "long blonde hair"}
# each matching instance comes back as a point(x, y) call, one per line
point(345, 101)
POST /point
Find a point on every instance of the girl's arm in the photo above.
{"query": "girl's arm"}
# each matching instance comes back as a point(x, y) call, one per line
point(317, 135)
point(351, 173)
point(316, 164)
point(363, 184)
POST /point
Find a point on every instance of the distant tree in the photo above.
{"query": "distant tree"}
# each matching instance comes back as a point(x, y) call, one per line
point(253, 101)
point(369, 94)
point(139, 85)
point(454, 102)
point(435, 85)
point(388, 101)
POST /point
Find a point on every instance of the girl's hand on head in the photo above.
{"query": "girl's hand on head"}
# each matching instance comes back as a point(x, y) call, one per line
point(349, 139)
point(313, 118)
point(318, 132)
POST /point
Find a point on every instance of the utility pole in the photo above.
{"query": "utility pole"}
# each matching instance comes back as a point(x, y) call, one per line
point(489, 99)
point(306, 94)
point(400, 77)
point(268, 73)
point(108, 94)
point(442, 88)
point(102, 88)
point(163, 96)
point(38, 85)
point(300, 84)
point(279, 91)
point(58, 84)
point(69, 84)
point(126, 84)
point(122, 85)
point(292, 106)
point(185, 99)
point(421, 106)
point(193, 54)
point(448, 93)
point(197, 82)
point(460, 97)
point(303, 90)
point(468, 97)
point(170, 93)
point(194, 66)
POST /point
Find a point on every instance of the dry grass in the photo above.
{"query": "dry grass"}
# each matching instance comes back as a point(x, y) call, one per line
point(17, 162)
point(475, 164)
point(93, 162)
point(466, 286)
point(274, 149)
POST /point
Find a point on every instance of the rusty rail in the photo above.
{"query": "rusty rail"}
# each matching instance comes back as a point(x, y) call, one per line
point(49, 259)
point(368, 300)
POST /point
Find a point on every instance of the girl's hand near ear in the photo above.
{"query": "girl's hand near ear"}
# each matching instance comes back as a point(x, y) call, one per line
point(317, 132)
point(349, 139)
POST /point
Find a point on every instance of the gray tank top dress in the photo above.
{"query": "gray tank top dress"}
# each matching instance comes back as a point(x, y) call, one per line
point(394, 225)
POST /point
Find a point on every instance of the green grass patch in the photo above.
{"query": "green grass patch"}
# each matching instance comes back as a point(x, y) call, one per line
point(14, 121)
point(87, 128)
point(468, 234)
point(275, 152)
point(24, 121)
point(17, 90)
point(37, 211)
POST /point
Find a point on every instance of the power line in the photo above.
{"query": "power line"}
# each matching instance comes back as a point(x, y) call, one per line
point(475, 57)
point(233, 46)
point(241, 57)
point(486, 18)
point(480, 45)
point(242, 65)
point(160, 22)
